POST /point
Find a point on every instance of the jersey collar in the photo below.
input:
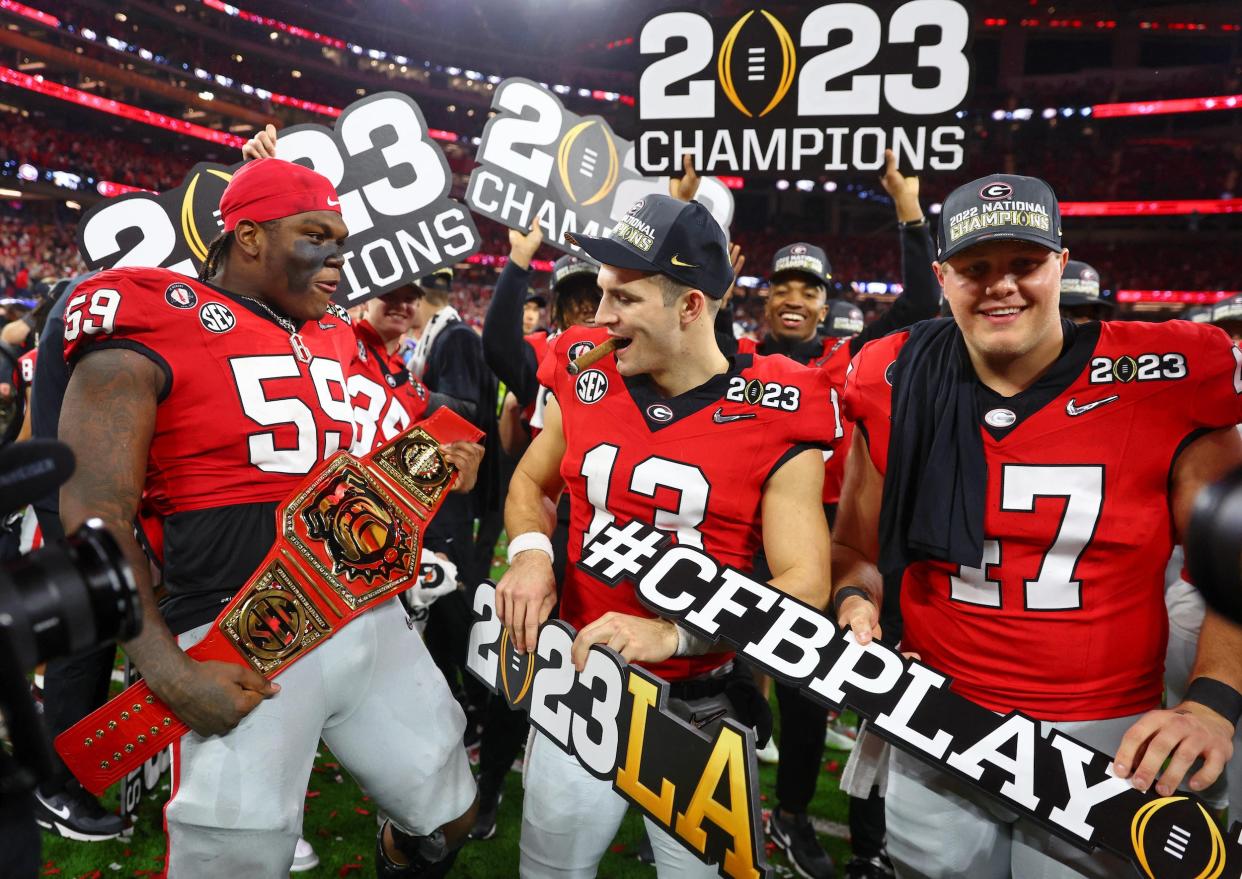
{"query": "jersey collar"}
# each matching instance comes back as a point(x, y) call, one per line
point(647, 397)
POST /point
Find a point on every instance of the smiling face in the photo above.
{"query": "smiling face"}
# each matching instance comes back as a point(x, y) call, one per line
point(796, 306)
point(393, 313)
point(1004, 296)
point(301, 259)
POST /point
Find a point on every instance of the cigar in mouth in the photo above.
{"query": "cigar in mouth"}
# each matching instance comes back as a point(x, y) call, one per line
point(596, 354)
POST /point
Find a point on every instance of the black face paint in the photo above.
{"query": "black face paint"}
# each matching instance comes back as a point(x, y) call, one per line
point(306, 259)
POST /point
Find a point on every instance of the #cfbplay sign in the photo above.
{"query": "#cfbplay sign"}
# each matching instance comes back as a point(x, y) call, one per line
point(392, 180)
point(538, 159)
point(825, 89)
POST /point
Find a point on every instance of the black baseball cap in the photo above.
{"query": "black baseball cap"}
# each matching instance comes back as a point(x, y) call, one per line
point(440, 279)
point(570, 266)
point(536, 297)
point(1080, 285)
point(999, 207)
point(844, 320)
point(659, 233)
point(802, 259)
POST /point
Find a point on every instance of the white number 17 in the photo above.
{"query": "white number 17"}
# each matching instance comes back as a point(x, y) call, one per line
point(1055, 587)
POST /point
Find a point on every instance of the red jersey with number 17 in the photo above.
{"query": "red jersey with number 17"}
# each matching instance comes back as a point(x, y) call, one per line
point(694, 465)
point(1065, 619)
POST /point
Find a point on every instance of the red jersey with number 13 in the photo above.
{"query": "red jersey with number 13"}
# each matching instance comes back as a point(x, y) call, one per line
point(694, 465)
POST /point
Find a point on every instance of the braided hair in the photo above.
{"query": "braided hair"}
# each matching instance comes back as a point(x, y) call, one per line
point(217, 250)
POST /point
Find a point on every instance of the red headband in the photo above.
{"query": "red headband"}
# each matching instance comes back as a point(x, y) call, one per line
point(268, 189)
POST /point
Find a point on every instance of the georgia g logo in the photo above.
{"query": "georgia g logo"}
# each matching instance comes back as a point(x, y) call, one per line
point(996, 191)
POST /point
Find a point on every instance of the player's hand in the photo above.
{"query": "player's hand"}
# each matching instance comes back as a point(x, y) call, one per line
point(522, 245)
point(212, 697)
point(637, 639)
point(1180, 735)
point(525, 597)
point(904, 191)
point(685, 187)
point(262, 145)
point(861, 617)
point(465, 456)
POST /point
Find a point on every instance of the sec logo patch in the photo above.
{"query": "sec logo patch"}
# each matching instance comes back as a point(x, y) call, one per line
point(180, 296)
point(216, 317)
point(591, 386)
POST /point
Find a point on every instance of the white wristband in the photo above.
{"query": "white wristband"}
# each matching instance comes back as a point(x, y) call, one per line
point(690, 644)
point(530, 540)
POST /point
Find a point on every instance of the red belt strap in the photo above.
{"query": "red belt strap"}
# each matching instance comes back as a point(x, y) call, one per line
point(348, 538)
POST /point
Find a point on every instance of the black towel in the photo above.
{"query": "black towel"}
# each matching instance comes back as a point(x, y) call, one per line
point(935, 487)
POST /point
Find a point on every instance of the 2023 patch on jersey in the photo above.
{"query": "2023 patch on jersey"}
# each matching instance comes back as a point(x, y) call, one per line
point(1065, 618)
point(694, 465)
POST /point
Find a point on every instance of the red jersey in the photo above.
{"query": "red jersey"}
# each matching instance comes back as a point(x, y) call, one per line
point(834, 360)
point(540, 343)
point(386, 397)
point(694, 465)
point(243, 415)
point(1066, 617)
point(24, 376)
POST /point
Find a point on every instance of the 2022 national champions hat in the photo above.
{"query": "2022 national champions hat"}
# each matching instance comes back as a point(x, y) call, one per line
point(570, 266)
point(801, 258)
point(680, 239)
point(999, 207)
point(1080, 285)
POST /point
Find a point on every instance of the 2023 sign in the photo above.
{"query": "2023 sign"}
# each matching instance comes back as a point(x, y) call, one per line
point(745, 95)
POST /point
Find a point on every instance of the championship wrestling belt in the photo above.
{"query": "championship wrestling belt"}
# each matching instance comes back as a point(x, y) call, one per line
point(348, 538)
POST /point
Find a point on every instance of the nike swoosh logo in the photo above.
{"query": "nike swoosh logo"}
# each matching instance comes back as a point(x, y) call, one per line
point(1071, 409)
point(334, 202)
point(62, 812)
point(720, 418)
point(685, 265)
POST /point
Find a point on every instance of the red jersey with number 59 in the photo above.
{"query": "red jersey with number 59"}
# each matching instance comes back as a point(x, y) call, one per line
point(694, 465)
point(242, 417)
point(1065, 619)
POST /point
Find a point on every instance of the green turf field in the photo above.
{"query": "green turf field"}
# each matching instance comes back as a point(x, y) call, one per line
point(340, 823)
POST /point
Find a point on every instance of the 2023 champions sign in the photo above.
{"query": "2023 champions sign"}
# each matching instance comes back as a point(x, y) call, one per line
point(703, 788)
point(825, 89)
point(391, 177)
point(538, 159)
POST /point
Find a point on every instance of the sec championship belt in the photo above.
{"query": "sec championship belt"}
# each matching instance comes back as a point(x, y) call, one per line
point(348, 538)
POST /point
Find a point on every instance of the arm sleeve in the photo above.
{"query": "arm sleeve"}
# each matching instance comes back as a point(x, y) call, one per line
point(920, 298)
point(503, 348)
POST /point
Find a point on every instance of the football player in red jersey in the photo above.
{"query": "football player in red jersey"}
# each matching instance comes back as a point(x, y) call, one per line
point(1031, 476)
point(720, 452)
point(217, 397)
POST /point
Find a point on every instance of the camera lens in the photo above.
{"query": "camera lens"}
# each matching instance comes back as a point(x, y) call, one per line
point(1214, 545)
point(65, 598)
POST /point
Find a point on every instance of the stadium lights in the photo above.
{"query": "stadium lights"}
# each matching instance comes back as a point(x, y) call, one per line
point(73, 205)
point(782, 185)
point(10, 193)
point(1049, 113)
point(830, 186)
point(935, 208)
point(805, 185)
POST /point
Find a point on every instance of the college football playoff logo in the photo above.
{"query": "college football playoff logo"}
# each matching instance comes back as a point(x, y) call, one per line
point(760, 61)
point(588, 154)
point(362, 536)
